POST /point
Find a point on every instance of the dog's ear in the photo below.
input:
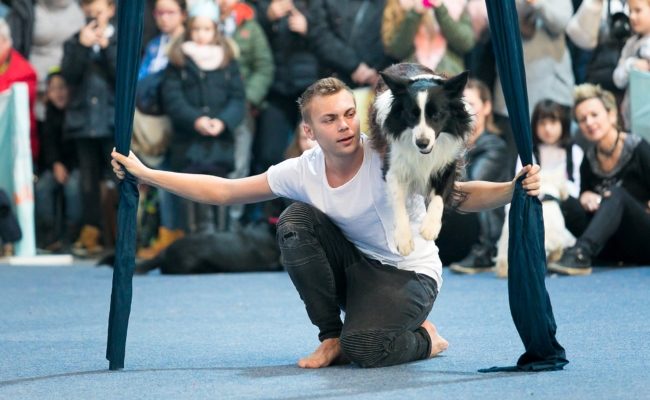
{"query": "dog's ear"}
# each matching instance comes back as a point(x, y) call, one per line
point(455, 86)
point(396, 83)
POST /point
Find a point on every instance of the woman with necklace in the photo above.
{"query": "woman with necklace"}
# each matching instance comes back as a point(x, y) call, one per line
point(615, 188)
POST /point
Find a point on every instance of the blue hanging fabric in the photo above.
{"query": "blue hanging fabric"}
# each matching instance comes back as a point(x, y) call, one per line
point(529, 301)
point(130, 15)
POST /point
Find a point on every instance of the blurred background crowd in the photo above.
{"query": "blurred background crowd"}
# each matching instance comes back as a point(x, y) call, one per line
point(217, 90)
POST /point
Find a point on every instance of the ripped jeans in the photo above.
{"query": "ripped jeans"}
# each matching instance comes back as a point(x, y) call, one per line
point(384, 306)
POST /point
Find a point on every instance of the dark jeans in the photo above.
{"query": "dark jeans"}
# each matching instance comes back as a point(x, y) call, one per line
point(47, 190)
point(384, 306)
point(619, 229)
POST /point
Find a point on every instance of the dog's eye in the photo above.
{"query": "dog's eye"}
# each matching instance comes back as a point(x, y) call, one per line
point(432, 112)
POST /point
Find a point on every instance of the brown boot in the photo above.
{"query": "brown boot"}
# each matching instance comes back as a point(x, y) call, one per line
point(88, 243)
point(7, 250)
point(165, 238)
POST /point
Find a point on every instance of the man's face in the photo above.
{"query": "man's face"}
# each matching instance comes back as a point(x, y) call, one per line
point(334, 124)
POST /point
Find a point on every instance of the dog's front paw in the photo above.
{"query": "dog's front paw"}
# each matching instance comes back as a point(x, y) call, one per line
point(430, 229)
point(404, 241)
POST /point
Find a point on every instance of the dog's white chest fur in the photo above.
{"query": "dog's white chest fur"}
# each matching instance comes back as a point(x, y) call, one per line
point(416, 169)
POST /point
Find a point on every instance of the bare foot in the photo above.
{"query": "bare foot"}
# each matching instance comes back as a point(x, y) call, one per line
point(438, 343)
point(326, 354)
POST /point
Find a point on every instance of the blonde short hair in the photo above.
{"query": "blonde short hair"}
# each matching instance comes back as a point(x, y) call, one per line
point(588, 91)
point(322, 87)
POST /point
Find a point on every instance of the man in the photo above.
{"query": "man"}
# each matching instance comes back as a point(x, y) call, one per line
point(15, 68)
point(336, 240)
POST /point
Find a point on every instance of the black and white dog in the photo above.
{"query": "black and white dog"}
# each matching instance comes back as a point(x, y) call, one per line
point(420, 123)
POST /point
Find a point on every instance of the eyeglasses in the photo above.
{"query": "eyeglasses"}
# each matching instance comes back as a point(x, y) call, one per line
point(165, 13)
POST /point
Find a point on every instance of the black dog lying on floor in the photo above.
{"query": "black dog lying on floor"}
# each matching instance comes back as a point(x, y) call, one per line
point(252, 249)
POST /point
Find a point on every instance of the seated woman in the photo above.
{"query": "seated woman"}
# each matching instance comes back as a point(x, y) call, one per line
point(615, 188)
point(485, 160)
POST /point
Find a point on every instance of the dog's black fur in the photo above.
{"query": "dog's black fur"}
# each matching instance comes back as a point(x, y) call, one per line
point(420, 124)
point(252, 249)
point(445, 112)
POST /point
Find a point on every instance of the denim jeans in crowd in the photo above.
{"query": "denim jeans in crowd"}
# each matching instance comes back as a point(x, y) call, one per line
point(384, 306)
point(46, 191)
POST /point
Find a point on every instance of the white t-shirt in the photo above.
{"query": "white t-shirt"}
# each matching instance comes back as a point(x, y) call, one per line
point(360, 208)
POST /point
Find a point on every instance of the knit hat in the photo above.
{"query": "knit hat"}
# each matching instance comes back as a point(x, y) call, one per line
point(205, 8)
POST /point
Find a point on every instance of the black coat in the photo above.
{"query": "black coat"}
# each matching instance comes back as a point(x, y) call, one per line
point(53, 147)
point(189, 93)
point(296, 66)
point(342, 41)
point(90, 77)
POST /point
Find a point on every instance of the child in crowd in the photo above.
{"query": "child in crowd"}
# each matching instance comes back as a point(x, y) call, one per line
point(256, 64)
point(60, 172)
point(554, 149)
point(203, 94)
point(170, 16)
point(88, 67)
point(635, 54)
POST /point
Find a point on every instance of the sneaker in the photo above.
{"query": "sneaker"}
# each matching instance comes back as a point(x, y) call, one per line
point(574, 261)
point(477, 261)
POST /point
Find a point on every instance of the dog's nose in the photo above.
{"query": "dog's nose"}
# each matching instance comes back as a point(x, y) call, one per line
point(422, 143)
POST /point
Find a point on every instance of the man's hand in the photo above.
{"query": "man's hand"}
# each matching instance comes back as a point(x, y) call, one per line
point(532, 180)
point(131, 163)
point(60, 172)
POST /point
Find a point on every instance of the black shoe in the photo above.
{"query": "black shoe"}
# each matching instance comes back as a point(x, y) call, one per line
point(477, 261)
point(574, 261)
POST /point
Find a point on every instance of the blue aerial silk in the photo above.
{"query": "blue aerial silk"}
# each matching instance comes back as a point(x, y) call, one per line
point(130, 14)
point(529, 301)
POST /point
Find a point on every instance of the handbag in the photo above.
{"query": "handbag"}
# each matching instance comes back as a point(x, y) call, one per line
point(151, 136)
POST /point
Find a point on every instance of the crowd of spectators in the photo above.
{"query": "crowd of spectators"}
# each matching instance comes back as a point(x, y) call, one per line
point(217, 90)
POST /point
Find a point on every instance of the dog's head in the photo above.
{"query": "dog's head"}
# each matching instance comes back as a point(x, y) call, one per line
point(421, 104)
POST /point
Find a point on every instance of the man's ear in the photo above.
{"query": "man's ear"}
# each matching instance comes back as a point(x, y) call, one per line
point(308, 131)
point(396, 83)
point(455, 86)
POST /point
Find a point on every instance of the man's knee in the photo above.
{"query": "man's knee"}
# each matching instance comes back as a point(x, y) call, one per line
point(367, 349)
point(296, 235)
point(296, 216)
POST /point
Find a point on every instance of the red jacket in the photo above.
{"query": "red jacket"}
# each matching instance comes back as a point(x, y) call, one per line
point(20, 70)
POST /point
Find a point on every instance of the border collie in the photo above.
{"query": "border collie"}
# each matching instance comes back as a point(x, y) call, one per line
point(420, 124)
